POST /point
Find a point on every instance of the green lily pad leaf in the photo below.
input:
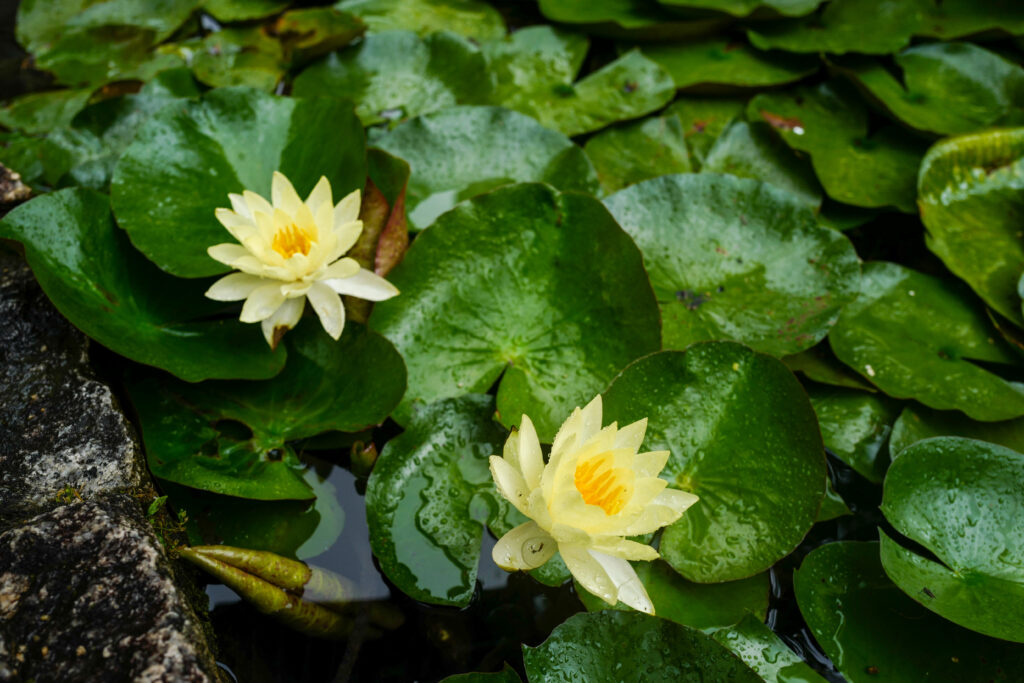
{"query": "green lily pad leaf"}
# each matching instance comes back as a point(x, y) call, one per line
point(752, 150)
point(102, 55)
point(830, 123)
point(907, 329)
point(855, 426)
point(704, 606)
point(95, 278)
point(430, 494)
point(844, 217)
point(506, 675)
point(961, 499)
point(240, 10)
point(636, 647)
point(538, 289)
point(721, 61)
point(39, 159)
point(236, 56)
point(732, 258)
point(873, 632)
point(397, 74)
point(988, 88)
point(917, 422)
point(41, 23)
point(757, 645)
point(704, 119)
point(866, 26)
point(635, 151)
point(470, 18)
point(461, 152)
point(970, 192)
point(832, 505)
point(192, 432)
point(185, 160)
point(315, 31)
point(821, 365)
point(41, 112)
point(743, 8)
point(744, 438)
point(292, 528)
point(534, 70)
point(627, 19)
point(948, 19)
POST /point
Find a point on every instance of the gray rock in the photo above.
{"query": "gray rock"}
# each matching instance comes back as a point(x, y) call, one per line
point(86, 595)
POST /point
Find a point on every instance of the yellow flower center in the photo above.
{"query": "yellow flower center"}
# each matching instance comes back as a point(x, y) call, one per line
point(291, 240)
point(601, 484)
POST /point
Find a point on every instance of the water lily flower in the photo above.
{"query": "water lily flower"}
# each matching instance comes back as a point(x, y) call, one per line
point(595, 490)
point(291, 251)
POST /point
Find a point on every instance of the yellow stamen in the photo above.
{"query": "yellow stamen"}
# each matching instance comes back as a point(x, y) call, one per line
point(291, 240)
point(602, 485)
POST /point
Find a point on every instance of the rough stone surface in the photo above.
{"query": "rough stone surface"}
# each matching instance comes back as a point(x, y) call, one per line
point(12, 190)
point(86, 595)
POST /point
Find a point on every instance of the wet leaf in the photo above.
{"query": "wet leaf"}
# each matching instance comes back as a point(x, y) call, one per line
point(743, 437)
point(867, 26)
point(42, 23)
point(704, 119)
point(315, 31)
point(832, 505)
point(731, 258)
point(917, 422)
point(237, 56)
point(639, 150)
point(742, 8)
point(540, 290)
point(948, 19)
point(470, 18)
point(103, 55)
point(236, 10)
point(43, 111)
point(764, 652)
point(855, 425)
point(627, 19)
point(821, 365)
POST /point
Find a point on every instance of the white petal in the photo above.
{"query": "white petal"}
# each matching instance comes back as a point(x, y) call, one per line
point(347, 209)
point(509, 483)
point(666, 508)
point(629, 588)
point(320, 195)
point(227, 253)
point(524, 548)
point(589, 572)
point(632, 436)
point(590, 420)
point(284, 318)
point(257, 204)
point(650, 464)
point(234, 287)
point(346, 267)
point(240, 206)
point(363, 285)
point(283, 194)
point(262, 303)
point(328, 307)
point(625, 549)
point(240, 227)
point(345, 234)
point(531, 459)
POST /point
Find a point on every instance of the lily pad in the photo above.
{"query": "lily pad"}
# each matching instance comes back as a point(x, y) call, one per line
point(971, 193)
point(873, 632)
point(721, 61)
point(534, 70)
point(397, 74)
point(743, 437)
point(186, 159)
point(757, 645)
point(960, 499)
point(946, 88)
point(241, 10)
point(102, 55)
point(855, 426)
point(917, 336)
point(639, 150)
point(192, 432)
point(732, 258)
point(429, 495)
point(917, 422)
point(237, 56)
point(704, 119)
point(41, 112)
point(470, 18)
point(866, 26)
point(461, 152)
point(949, 19)
point(636, 647)
point(95, 278)
point(821, 365)
point(832, 505)
point(830, 122)
point(743, 8)
point(628, 19)
point(315, 31)
point(752, 150)
point(540, 290)
point(704, 606)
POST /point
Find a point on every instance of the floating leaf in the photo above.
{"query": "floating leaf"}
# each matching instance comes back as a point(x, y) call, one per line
point(743, 437)
point(397, 74)
point(314, 31)
point(102, 55)
point(832, 505)
point(461, 152)
point(192, 432)
point(237, 56)
point(704, 119)
point(873, 632)
point(960, 499)
point(701, 606)
point(41, 23)
point(637, 647)
point(535, 69)
point(908, 329)
point(538, 289)
point(742, 8)
point(721, 61)
point(830, 122)
point(821, 365)
point(240, 10)
point(970, 192)
point(429, 495)
point(731, 258)
point(764, 652)
point(639, 150)
point(102, 285)
point(917, 422)
point(41, 112)
point(186, 159)
point(948, 19)
point(867, 26)
point(855, 426)
point(627, 19)
point(470, 18)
